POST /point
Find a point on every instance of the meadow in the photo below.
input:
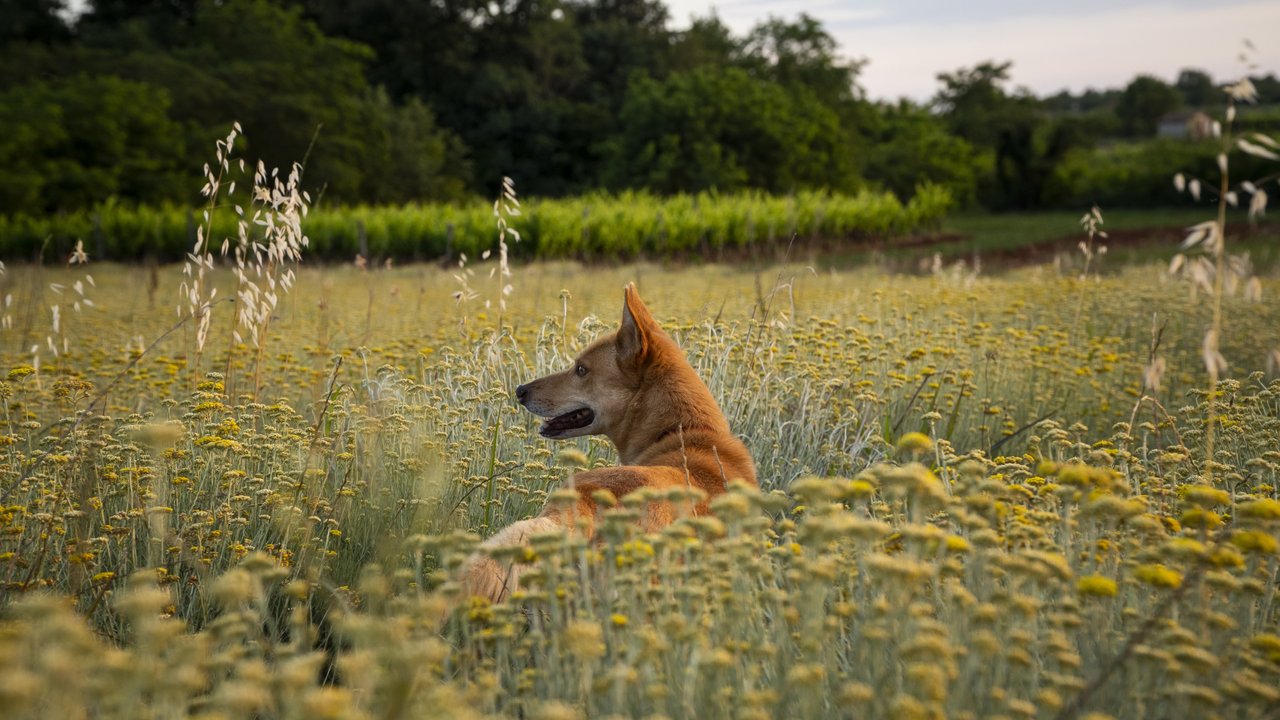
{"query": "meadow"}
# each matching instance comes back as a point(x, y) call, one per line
point(976, 499)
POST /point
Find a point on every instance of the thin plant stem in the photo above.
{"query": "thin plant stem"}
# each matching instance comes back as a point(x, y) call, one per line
point(1219, 255)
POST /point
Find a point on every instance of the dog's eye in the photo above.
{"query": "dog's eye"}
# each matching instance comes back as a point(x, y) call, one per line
point(581, 370)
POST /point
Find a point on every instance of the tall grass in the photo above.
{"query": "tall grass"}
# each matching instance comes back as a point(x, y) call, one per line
point(1221, 272)
point(974, 499)
point(962, 512)
point(414, 438)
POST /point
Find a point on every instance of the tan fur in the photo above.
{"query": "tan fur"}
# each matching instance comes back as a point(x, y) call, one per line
point(485, 577)
point(650, 403)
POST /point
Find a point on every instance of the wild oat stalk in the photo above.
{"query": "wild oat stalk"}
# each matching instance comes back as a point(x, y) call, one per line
point(465, 293)
point(56, 340)
point(6, 308)
point(196, 292)
point(268, 245)
point(1090, 223)
point(505, 207)
point(1211, 235)
point(264, 266)
point(78, 301)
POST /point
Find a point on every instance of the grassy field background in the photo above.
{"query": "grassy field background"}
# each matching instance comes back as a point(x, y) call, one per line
point(970, 503)
point(1137, 235)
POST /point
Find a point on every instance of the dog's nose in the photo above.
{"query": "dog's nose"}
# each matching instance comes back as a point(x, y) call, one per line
point(522, 392)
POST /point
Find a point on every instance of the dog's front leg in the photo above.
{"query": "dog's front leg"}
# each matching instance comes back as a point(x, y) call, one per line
point(486, 577)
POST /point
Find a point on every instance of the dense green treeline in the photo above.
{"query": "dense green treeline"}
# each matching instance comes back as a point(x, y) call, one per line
point(131, 107)
point(403, 101)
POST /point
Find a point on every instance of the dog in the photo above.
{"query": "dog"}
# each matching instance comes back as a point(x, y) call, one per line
point(635, 387)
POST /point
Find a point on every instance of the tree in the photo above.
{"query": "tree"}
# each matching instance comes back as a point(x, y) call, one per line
point(1099, 99)
point(1061, 102)
point(1197, 89)
point(36, 21)
point(1144, 101)
point(297, 93)
point(974, 102)
point(619, 38)
point(910, 145)
point(247, 61)
point(803, 54)
point(420, 49)
point(1024, 144)
point(408, 157)
point(68, 143)
point(511, 78)
point(537, 88)
point(1268, 87)
point(722, 129)
point(286, 83)
point(707, 42)
point(158, 15)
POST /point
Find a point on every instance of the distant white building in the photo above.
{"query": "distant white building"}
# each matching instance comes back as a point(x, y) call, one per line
point(1185, 125)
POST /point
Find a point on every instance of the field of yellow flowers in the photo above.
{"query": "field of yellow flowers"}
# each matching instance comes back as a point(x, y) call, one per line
point(982, 496)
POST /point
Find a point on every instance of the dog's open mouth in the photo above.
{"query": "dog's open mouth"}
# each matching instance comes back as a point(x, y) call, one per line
point(572, 420)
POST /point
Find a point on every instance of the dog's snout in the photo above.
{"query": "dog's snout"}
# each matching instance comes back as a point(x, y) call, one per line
point(522, 393)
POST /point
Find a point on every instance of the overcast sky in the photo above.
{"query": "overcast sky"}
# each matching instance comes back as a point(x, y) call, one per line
point(1054, 44)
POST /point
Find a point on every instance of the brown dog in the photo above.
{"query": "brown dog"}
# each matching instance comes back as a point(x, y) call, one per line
point(635, 387)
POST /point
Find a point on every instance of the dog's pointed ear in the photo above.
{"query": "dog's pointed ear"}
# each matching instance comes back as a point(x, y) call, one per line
point(635, 334)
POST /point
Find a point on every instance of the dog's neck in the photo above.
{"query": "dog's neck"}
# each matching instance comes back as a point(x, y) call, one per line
point(666, 412)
